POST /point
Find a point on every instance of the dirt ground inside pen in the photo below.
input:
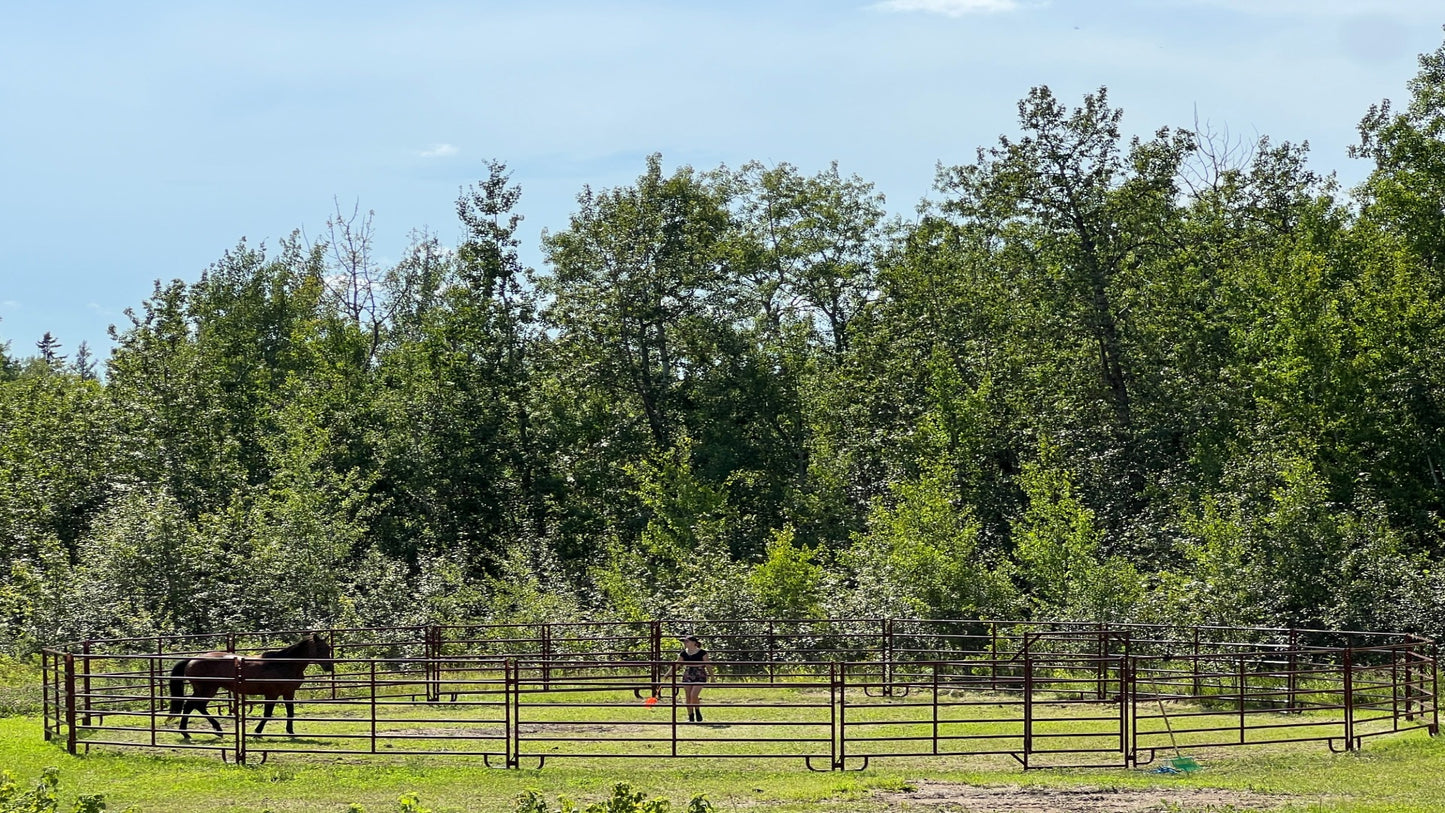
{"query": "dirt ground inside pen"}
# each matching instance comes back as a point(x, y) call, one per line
point(951, 796)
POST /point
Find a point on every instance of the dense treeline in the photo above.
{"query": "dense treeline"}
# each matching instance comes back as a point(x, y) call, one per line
point(1179, 378)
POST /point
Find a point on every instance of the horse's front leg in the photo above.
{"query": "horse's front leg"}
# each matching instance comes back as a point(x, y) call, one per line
point(290, 713)
point(270, 706)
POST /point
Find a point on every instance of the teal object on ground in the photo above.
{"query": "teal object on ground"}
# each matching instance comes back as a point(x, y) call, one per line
point(1184, 764)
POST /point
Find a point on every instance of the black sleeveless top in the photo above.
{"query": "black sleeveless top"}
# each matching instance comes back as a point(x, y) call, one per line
point(694, 674)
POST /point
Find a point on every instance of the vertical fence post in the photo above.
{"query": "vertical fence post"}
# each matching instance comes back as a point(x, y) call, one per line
point(1241, 683)
point(507, 713)
point(833, 729)
point(1349, 702)
point(936, 667)
point(547, 655)
point(842, 716)
point(1395, 690)
point(45, 687)
point(335, 651)
point(887, 657)
point(1194, 664)
point(1122, 699)
point(1130, 688)
point(1410, 681)
point(993, 656)
point(772, 653)
point(654, 645)
point(70, 702)
point(432, 649)
point(1028, 701)
point(1292, 681)
point(371, 690)
point(239, 698)
point(85, 682)
point(1101, 651)
point(154, 677)
point(1434, 689)
point(513, 693)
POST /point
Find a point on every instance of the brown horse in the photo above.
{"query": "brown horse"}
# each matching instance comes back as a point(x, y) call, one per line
point(276, 675)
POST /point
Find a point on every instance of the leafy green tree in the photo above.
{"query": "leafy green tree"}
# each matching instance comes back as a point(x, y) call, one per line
point(300, 531)
point(1058, 550)
point(148, 569)
point(788, 582)
point(56, 449)
point(808, 248)
point(463, 463)
point(1408, 148)
point(920, 558)
point(634, 277)
point(195, 378)
point(680, 565)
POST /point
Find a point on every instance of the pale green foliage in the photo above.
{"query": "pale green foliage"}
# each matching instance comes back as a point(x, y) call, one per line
point(920, 558)
point(1381, 585)
point(1057, 547)
point(788, 583)
point(683, 511)
point(305, 526)
point(36, 602)
point(1221, 584)
point(530, 588)
point(379, 592)
point(682, 564)
point(148, 568)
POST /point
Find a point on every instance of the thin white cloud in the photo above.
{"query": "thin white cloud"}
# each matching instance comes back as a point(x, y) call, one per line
point(439, 151)
point(10, 305)
point(949, 8)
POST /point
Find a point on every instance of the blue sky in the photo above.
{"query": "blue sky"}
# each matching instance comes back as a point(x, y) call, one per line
point(139, 141)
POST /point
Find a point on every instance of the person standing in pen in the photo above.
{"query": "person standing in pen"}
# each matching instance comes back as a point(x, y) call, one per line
point(696, 671)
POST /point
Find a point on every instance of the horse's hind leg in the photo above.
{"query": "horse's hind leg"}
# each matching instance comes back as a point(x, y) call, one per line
point(202, 705)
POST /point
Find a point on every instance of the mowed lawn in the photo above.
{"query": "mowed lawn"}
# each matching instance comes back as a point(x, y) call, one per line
point(1393, 773)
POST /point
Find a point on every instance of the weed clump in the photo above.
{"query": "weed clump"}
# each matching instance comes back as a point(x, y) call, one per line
point(623, 800)
point(44, 796)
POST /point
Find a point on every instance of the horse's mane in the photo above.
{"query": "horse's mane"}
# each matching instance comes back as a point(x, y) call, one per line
point(301, 647)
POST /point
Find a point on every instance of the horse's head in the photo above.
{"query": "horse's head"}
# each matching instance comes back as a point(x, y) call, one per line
point(319, 652)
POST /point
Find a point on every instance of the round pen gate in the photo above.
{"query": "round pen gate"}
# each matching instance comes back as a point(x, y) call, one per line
point(833, 694)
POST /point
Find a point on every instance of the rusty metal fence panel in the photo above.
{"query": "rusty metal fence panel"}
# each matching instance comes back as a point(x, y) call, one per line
point(833, 693)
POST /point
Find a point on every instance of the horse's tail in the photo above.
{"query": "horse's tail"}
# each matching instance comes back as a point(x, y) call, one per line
point(178, 686)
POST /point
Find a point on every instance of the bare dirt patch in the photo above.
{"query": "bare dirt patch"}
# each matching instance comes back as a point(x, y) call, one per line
point(953, 796)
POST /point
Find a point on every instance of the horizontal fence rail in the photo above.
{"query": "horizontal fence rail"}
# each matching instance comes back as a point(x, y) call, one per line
point(834, 694)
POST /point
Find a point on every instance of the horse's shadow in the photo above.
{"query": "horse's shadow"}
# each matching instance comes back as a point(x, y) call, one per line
point(296, 739)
